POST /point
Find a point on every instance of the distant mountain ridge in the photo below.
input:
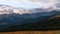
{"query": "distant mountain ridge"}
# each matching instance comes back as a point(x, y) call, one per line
point(13, 19)
point(5, 9)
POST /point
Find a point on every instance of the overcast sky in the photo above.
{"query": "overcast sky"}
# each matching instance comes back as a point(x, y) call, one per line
point(29, 3)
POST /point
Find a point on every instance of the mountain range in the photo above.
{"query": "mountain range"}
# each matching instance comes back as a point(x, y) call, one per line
point(12, 18)
point(5, 9)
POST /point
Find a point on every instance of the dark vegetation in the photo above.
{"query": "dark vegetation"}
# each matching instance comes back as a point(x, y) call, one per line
point(25, 22)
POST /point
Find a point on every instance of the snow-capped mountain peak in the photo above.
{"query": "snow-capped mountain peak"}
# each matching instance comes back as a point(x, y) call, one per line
point(5, 9)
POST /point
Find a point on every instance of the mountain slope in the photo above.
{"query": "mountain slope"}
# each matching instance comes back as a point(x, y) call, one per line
point(13, 22)
point(12, 19)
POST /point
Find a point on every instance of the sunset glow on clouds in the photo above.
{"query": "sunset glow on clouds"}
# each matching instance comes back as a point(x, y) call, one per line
point(30, 3)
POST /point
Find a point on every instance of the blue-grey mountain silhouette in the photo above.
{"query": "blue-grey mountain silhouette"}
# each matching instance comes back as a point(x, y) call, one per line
point(30, 21)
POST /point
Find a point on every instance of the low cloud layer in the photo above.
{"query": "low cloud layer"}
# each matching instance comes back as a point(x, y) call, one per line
point(55, 3)
point(40, 1)
point(31, 3)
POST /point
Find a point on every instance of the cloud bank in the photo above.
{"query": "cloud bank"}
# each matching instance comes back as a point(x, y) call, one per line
point(39, 1)
point(31, 3)
point(55, 3)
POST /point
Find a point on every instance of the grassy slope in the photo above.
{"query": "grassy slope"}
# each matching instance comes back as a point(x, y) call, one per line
point(32, 32)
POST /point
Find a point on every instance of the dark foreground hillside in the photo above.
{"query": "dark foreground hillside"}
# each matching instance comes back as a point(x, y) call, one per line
point(28, 22)
point(44, 25)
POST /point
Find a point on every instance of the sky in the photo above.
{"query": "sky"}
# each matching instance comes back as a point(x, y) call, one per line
point(30, 3)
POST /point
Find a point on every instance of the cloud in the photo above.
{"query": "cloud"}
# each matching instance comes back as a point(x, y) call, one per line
point(16, 1)
point(39, 1)
point(42, 2)
point(29, 1)
point(55, 3)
